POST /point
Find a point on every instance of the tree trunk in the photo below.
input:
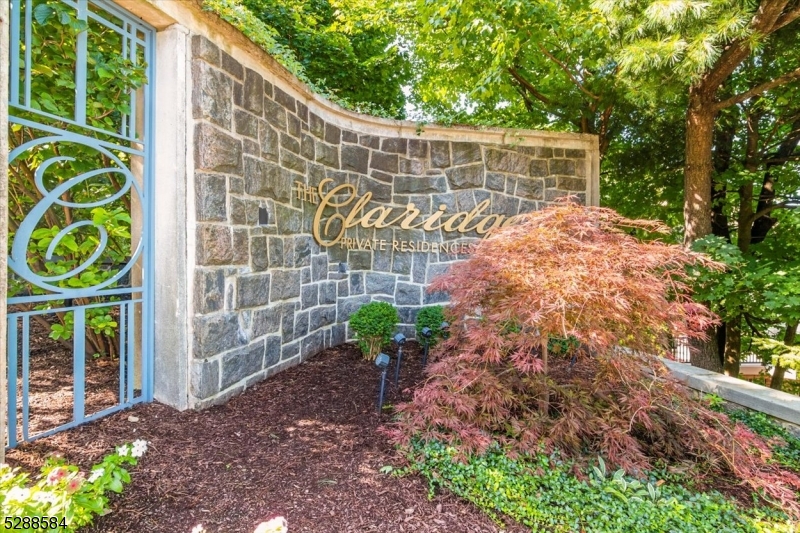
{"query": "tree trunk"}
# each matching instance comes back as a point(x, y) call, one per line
point(733, 346)
point(706, 353)
point(699, 166)
point(788, 340)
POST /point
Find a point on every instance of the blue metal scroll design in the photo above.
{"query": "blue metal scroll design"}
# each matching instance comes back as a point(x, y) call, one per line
point(18, 259)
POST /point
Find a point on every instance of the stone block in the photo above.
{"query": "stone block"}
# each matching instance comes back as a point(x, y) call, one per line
point(204, 379)
point(215, 334)
point(204, 49)
point(572, 184)
point(290, 143)
point(347, 306)
point(319, 317)
point(333, 135)
point(242, 363)
point(506, 161)
point(232, 67)
point(468, 177)
point(408, 294)
point(359, 259)
point(307, 149)
point(356, 283)
point(419, 268)
point(551, 195)
point(419, 184)
point(377, 283)
point(302, 251)
point(216, 151)
point(285, 284)
point(214, 245)
point(259, 254)
point(300, 324)
point(538, 168)
point(530, 188)
point(210, 194)
point(563, 167)
point(269, 140)
point(343, 288)
point(235, 185)
point(285, 100)
point(349, 136)
point(288, 252)
point(465, 152)
point(401, 263)
point(385, 162)
point(241, 246)
point(395, 146)
point(246, 124)
point(312, 345)
point(253, 96)
point(544, 153)
point(370, 141)
point(272, 354)
point(251, 147)
point(293, 162)
point(505, 205)
point(309, 296)
point(319, 268)
point(302, 111)
point(275, 114)
point(275, 250)
point(264, 179)
point(290, 221)
point(316, 126)
point(381, 192)
point(252, 291)
point(209, 290)
point(495, 181)
point(327, 155)
point(212, 95)
point(338, 334)
point(266, 321)
point(289, 351)
point(430, 298)
point(408, 315)
point(418, 148)
point(327, 293)
point(440, 154)
point(355, 158)
point(575, 153)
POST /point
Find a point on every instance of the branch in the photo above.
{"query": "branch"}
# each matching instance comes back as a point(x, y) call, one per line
point(759, 89)
point(787, 18)
point(767, 210)
point(569, 74)
point(530, 88)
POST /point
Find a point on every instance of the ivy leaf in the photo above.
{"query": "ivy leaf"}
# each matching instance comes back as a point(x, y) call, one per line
point(42, 13)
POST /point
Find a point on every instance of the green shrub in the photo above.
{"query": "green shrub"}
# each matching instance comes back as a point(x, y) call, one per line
point(431, 317)
point(542, 493)
point(64, 498)
point(373, 325)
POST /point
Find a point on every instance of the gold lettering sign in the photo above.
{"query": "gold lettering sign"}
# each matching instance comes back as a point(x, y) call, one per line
point(345, 196)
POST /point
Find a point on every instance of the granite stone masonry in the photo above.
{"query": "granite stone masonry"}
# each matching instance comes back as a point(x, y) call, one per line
point(266, 294)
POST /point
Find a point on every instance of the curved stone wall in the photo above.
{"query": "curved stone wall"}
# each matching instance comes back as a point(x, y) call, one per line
point(270, 164)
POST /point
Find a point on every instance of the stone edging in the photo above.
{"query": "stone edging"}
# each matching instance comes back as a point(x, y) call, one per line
point(777, 404)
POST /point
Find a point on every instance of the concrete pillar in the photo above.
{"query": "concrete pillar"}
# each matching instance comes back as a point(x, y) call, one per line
point(173, 167)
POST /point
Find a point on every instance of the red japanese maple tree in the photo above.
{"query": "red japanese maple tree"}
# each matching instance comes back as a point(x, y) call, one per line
point(578, 273)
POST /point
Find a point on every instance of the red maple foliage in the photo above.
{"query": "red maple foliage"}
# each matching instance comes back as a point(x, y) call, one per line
point(578, 272)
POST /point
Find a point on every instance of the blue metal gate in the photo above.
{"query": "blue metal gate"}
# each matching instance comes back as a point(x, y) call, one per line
point(80, 211)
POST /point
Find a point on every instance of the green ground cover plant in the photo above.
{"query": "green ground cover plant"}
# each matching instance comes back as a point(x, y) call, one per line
point(432, 317)
point(373, 325)
point(543, 493)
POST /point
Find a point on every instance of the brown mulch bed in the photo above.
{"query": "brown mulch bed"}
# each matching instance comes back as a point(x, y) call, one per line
point(303, 444)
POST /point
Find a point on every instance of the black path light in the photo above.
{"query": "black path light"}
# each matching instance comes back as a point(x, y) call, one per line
point(426, 334)
point(445, 327)
point(382, 362)
point(400, 340)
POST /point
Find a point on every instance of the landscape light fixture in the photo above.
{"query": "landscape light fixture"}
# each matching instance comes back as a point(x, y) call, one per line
point(400, 340)
point(426, 334)
point(382, 362)
point(445, 327)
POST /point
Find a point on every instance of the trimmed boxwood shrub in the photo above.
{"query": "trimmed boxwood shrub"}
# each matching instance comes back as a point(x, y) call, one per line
point(373, 325)
point(431, 317)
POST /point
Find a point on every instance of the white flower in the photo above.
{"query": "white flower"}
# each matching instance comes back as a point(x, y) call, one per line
point(45, 497)
point(139, 447)
point(96, 474)
point(122, 451)
point(19, 494)
point(276, 525)
point(198, 529)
